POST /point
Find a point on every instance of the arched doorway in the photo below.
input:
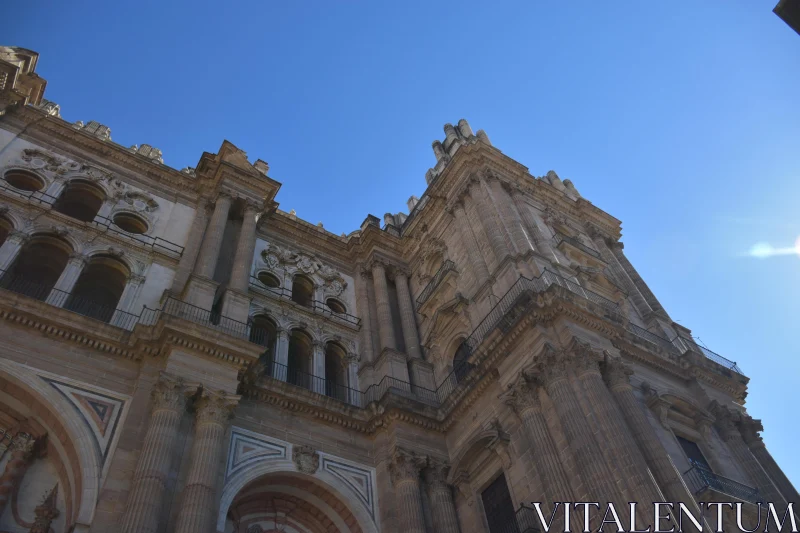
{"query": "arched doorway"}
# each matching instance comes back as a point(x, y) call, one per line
point(99, 288)
point(38, 267)
point(289, 503)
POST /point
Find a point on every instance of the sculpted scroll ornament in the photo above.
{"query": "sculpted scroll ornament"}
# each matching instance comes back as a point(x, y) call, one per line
point(40, 159)
point(521, 396)
point(305, 458)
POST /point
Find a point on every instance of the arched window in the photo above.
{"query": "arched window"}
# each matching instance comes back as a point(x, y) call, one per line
point(99, 288)
point(301, 354)
point(461, 365)
point(5, 229)
point(38, 267)
point(269, 280)
point(336, 306)
point(303, 290)
point(24, 180)
point(264, 331)
point(335, 371)
point(80, 200)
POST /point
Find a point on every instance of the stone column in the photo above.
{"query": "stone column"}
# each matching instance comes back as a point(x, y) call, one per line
point(362, 302)
point(10, 249)
point(318, 368)
point(192, 247)
point(198, 506)
point(749, 429)
point(243, 259)
point(405, 469)
point(407, 319)
point(616, 375)
point(523, 399)
point(725, 424)
point(385, 326)
point(212, 240)
point(21, 454)
point(443, 508)
point(148, 488)
point(638, 300)
point(552, 372)
point(541, 243)
point(66, 282)
point(464, 229)
point(281, 355)
point(488, 217)
point(650, 298)
point(619, 441)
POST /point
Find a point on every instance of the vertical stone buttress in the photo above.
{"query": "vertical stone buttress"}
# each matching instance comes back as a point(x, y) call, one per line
point(143, 509)
point(192, 248)
point(650, 298)
point(616, 375)
point(488, 218)
point(618, 439)
point(443, 508)
point(464, 229)
point(212, 240)
point(405, 469)
point(213, 410)
point(726, 427)
point(243, 259)
point(523, 399)
point(362, 301)
point(749, 430)
point(616, 268)
point(552, 371)
point(385, 326)
point(539, 241)
point(407, 320)
point(22, 448)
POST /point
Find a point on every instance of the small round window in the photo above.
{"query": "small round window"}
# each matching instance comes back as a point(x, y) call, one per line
point(269, 280)
point(24, 181)
point(130, 223)
point(335, 306)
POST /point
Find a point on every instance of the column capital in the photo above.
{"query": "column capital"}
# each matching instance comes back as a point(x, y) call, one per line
point(78, 258)
point(17, 237)
point(169, 394)
point(551, 366)
point(215, 407)
point(224, 195)
point(406, 466)
point(136, 279)
point(585, 359)
point(616, 373)
point(23, 445)
point(522, 396)
point(251, 207)
point(435, 474)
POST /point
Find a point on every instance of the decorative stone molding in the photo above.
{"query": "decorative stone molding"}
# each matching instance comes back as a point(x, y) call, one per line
point(750, 429)
point(51, 108)
point(552, 365)
point(584, 358)
point(406, 466)
point(305, 458)
point(499, 442)
point(724, 421)
point(94, 128)
point(436, 473)
point(149, 152)
point(41, 159)
point(140, 201)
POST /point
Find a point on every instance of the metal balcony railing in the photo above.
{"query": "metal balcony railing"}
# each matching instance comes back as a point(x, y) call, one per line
point(709, 354)
point(317, 384)
point(447, 266)
point(559, 238)
point(315, 305)
point(699, 478)
point(71, 302)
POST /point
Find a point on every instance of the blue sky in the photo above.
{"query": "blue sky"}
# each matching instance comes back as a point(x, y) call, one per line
point(679, 118)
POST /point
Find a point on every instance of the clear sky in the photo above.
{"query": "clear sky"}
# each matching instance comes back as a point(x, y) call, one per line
point(679, 118)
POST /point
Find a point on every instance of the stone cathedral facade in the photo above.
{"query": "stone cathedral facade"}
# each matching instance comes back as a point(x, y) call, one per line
point(178, 354)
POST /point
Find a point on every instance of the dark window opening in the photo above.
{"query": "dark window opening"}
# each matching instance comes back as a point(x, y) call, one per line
point(335, 372)
point(130, 223)
point(24, 181)
point(301, 353)
point(269, 280)
point(37, 268)
point(499, 508)
point(692, 451)
point(303, 291)
point(336, 306)
point(263, 331)
point(99, 288)
point(80, 200)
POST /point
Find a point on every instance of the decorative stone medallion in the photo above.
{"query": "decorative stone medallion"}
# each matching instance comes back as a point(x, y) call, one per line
point(305, 458)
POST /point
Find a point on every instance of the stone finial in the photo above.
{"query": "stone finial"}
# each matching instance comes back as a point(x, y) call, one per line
point(388, 219)
point(149, 152)
point(571, 188)
point(261, 166)
point(481, 135)
point(412, 203)
point(95, 128)
point(438, 150)
point(189, 170)
point(464, 129)
point(51, 108)
point(429, 175)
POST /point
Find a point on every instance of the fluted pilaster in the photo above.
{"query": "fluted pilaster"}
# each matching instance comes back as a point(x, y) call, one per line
point(616, 375)
point(362, 302)
point(616, 268)
point(385, 326)
point(551, 370)
point(443, 508)
point(464, 229)
point(243, 259)
point(407, 320)
point(619, 441)
point(142, 511)
point(11, 248)
point(523, 398)
point(212, 240)
point(539, 241)
point(213, 410)
point(650, 298)
point(192, 248)
point(405, 470)
point(488, 217)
